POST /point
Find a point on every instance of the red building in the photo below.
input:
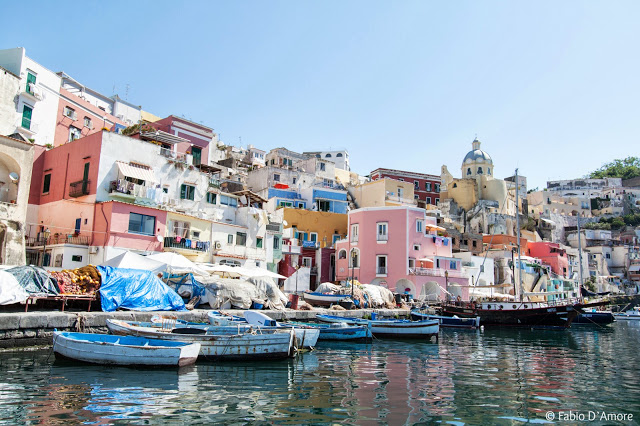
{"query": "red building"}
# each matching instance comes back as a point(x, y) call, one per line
point(550, 254)
point(425, 187)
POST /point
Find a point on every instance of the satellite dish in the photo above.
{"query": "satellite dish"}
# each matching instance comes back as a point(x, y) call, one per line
point(14, 177)
point(284, 222)
point(159, 238)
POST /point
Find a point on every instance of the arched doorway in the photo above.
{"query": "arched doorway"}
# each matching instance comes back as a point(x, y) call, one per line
point(430, 291)
point(404, 285)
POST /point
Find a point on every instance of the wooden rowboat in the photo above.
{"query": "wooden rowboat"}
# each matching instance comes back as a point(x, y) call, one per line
point(123, 350)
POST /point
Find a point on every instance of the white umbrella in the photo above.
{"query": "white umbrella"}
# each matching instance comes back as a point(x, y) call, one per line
point(178, 264)
point(132, 260)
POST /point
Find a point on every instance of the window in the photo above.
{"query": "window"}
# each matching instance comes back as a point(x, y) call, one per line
point(306, 262)
point(427, 186)
point(412, 262)
point(419, 226)
point(295, 180)
point(437, 187)
point(324, 205)
point(400, 192)
point(336, 237)
point(328, 156)
point(354, 233)
point(181, 229)
point(608, 256)
point(241, 239)
point(339, 154)
point(258, 242)
point(142, 224)
point(437, 263)
point(382, 231)
point(211, 197)
point(165, 190)
point(187, 192)
point(437, 201)
point(31, 81)
point(87, 123)
point(76, 230)
point(474, 243)
point(453, 265)
point(196, 153)
point(47, 183)
point(479, 170)
point(342, 254)
point(313, 237)
point(276, 177)
point(76, 258)
point(225, 200)
point(322, 167)
point(381, 265)
point(276, 243)
point(27, 112)
point(302, 205)
point(302, 236)
point(70, 112)
point(230, 239)
point(196, 234)
point(428, 200)
point(416, 185)
point(416, 247)
point(285, 203)
point(327, 183)
point(488, 170)
point(354, 261)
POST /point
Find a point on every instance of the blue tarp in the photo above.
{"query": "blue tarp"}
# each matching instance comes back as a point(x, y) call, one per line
point(136, 290)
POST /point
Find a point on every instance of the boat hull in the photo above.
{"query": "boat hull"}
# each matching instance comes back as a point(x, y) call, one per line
point(214, 344)
point(594, 318)
point(323, 299)
point(448, 322)
point(523, 315)
point(403, 329)
point(348, 333)
point(107, 349)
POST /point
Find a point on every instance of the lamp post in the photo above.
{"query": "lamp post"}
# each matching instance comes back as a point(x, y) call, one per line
point(45, 234)
point(353, 267)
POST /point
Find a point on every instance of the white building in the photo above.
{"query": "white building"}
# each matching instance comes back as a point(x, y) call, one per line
point(33, 108)
point(339, 158)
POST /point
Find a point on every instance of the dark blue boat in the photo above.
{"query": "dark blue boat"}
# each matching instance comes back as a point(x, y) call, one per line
point(594, 318)
point(447, 322)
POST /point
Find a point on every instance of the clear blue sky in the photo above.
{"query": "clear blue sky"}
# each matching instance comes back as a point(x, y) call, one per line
point(551, 87)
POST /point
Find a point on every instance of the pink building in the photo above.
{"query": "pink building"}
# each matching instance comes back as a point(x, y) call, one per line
point(551, 254)
point(196, 137)
point(399, 248)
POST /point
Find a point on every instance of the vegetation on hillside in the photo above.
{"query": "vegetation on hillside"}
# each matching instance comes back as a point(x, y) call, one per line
point(625, 169)
point(615, 222)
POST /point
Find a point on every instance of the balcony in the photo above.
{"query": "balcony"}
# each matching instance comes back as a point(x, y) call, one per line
point(169, 153)
point(27, 125)
point(381, 270)
point(384, 237)
point(291, 249)
point(79, 188)
point(214, 182)
point(57, 239)
point(274, 227)
point(186, 244)
point(436, 273)
point(131, 192)
point(33, 91)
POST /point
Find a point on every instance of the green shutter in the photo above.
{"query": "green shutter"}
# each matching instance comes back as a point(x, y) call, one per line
point(26, 116)
point(183, 191)
point(30, 79)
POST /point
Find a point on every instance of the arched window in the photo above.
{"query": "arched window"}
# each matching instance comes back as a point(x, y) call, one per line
point(455, 185)
point(342, 254)
point(468, 171)
point(318, 155)
point(488, 170)
point(479, 170)
point(328, 156)
point(339, 154)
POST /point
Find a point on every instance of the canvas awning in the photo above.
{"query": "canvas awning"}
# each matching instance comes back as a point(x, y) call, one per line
point(136, 172)
point(436, 227)
point(634, 268)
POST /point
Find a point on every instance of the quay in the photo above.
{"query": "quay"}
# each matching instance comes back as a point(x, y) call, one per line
point(27, 329)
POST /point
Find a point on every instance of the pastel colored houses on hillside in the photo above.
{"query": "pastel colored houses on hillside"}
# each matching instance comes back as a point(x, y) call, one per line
point(399, 248)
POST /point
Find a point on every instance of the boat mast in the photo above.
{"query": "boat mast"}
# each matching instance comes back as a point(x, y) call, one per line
point(579, 257)
point(520, 288)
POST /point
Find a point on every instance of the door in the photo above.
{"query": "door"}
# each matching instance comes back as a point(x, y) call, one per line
point(77, 229)
point(85, 179)
point(26, 116)
point(30, 79)
point(197, 155)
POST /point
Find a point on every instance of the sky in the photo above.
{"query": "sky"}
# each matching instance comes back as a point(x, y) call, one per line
point(548, 87)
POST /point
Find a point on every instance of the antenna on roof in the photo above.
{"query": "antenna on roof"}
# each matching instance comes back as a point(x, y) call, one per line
point(126, 93)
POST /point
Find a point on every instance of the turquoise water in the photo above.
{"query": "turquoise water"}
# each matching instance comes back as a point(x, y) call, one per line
point(484, 377)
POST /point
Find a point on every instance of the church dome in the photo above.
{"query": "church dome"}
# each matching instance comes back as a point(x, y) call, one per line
point(476, 154)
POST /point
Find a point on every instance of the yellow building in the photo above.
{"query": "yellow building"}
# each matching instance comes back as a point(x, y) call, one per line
point(189, 236)
point(383, 192)
point(322, 227)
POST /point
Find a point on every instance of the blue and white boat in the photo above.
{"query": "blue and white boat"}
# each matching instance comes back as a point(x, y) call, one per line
point(340, 331)
point(630, 315)
point(215, 342)
point(397, 328)
point(123, 350)
point(324, 299)
point(447, 322)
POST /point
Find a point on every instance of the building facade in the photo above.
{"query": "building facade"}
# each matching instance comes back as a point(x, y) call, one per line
point(426, 187)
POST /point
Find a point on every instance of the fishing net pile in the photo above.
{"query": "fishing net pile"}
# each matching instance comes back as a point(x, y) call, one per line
point(225, 293)
point(371, 296)
point(79, 281)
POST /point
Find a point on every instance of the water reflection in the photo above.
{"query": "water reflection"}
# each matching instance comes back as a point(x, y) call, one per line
point(484, 377)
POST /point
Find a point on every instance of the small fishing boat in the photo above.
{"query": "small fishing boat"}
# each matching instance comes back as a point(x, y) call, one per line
point(390, 327)
point(306, 336)
point(215, 342)
point(593, 317)
point(123, 350)
point(221, 319)
point(340, 331)
point(324, 299)
point(630, 315)
point(447, 322)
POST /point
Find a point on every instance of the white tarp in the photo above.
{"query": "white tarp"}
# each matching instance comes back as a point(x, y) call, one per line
point(132, 260)
point(378, 296)
point(178, 264)
point(10, 290)
point(329, 288)
point(222, 293)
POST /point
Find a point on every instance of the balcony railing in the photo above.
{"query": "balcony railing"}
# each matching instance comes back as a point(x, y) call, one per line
point(214, 182)
point(437, 272)
point(273, 227)
point(123, 186)
point(169, 153)
point(384, 237)
point(79, 188)
point(382, 270)
point(186, 244)
point(80, 240)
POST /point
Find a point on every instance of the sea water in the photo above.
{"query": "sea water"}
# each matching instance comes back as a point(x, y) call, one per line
point(491, 376)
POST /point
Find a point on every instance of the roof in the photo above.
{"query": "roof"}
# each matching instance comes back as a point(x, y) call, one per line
point(477, 155)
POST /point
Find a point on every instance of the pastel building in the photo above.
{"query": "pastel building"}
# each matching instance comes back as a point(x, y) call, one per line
point(426, 187)
point(383, 192)
point(339, 158)
point(551, 254)
point(398, 248)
